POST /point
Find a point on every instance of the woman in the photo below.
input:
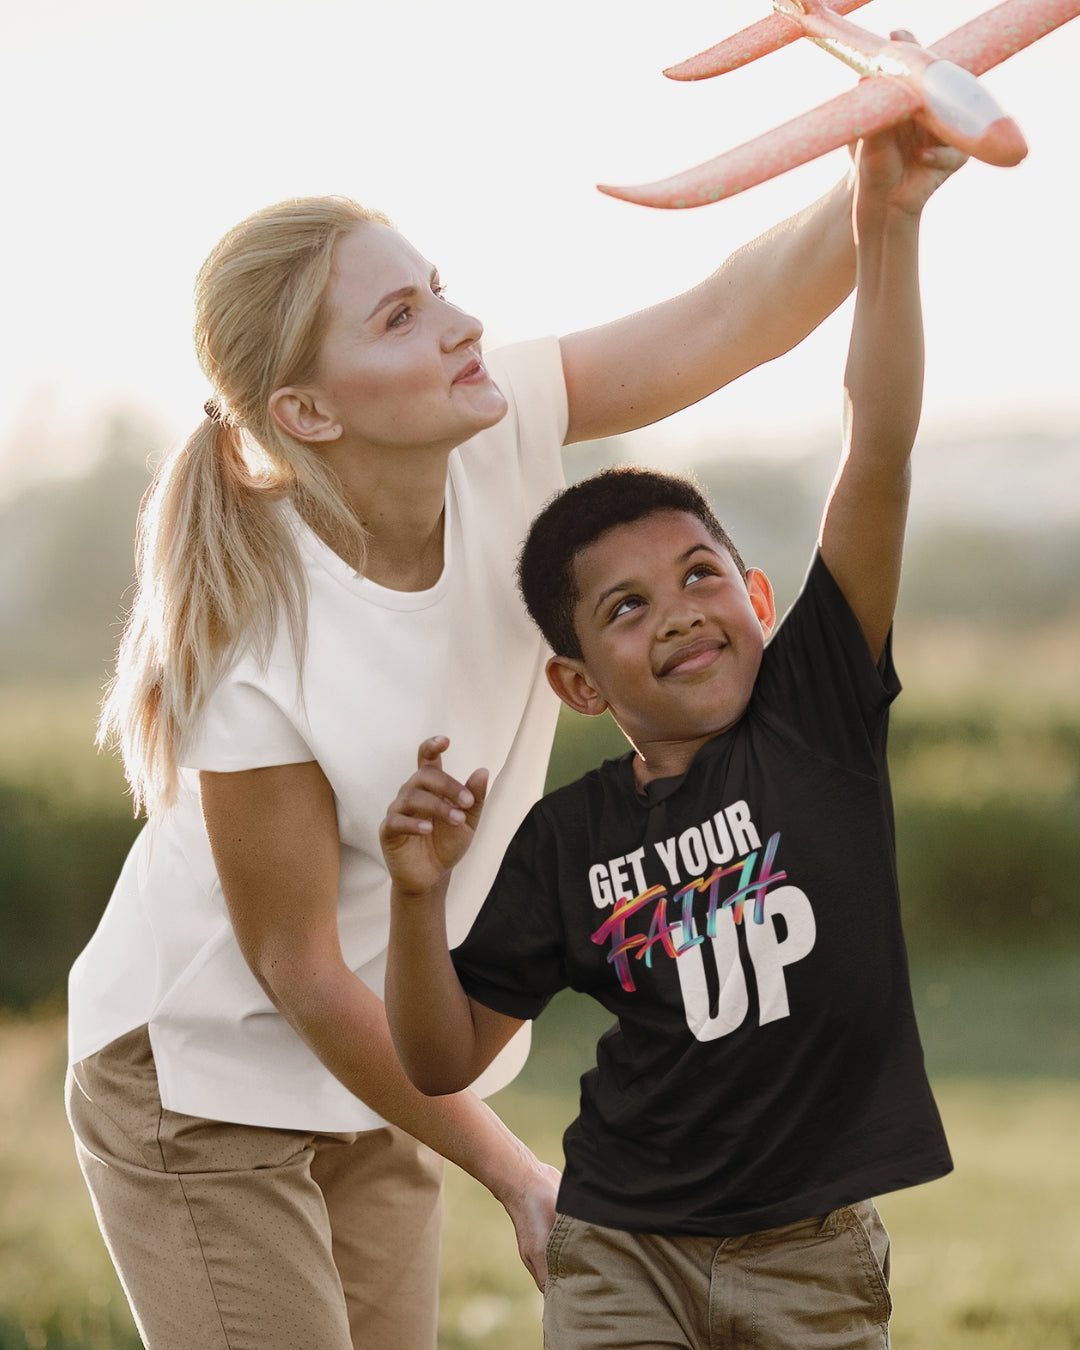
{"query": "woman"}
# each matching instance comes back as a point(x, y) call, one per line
point(325, 578)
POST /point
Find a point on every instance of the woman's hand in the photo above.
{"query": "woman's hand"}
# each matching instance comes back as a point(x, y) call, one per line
point(532, 1212)
point(431, 822)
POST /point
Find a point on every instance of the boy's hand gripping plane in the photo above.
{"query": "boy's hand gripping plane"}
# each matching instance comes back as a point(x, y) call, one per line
point(936, 86)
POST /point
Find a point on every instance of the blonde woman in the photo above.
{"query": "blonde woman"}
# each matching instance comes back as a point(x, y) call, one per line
point(325, 579)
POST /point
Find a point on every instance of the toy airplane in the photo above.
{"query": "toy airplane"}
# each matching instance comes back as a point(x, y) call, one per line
point(935, 86)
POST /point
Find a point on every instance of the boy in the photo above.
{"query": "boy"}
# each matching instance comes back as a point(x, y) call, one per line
point(727, 889)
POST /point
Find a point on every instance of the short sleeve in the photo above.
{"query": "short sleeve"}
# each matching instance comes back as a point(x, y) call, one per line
point(532, 374)
point(242, 727)
point(820, 680)
point(513, 959)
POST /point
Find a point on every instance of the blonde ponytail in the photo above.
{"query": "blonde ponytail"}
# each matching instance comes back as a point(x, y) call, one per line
point(217, 565)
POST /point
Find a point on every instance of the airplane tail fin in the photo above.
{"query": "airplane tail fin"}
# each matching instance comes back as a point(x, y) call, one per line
point(768, 35)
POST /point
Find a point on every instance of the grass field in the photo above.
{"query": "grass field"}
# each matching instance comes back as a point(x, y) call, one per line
point(987, 1259)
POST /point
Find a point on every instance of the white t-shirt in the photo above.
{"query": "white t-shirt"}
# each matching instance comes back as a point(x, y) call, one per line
point(383, 670)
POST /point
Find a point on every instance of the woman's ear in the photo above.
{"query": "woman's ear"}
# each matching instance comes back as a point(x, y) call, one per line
point(762, 598)
point(570, 680)
point(301, 415)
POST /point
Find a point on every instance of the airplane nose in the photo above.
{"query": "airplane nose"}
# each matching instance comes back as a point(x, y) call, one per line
point(969, 116)
point(1003, 144)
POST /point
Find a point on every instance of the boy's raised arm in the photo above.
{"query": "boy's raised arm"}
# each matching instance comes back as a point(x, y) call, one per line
point(862, 529)
point(443, 1038)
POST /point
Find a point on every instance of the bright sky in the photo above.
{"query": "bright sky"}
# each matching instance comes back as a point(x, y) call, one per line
point(137, 132)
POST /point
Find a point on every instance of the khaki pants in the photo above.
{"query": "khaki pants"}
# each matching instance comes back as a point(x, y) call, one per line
point(233, 1237)
point(817, 1285)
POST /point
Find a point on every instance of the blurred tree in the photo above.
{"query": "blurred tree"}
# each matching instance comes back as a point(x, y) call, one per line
point(67, 560)
point(987, 574)
point(58, 863)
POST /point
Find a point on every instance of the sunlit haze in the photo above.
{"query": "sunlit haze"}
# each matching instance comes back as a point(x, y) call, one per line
point(137, 133)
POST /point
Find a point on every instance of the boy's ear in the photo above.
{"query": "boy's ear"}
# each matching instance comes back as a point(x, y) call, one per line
point(762, 598)
point(302, 416)
point(571, 682)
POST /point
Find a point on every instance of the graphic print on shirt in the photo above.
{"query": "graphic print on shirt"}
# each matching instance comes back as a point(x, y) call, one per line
point(719, 878)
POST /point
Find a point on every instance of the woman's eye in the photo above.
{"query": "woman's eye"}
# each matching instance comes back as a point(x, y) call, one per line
point(398, 317)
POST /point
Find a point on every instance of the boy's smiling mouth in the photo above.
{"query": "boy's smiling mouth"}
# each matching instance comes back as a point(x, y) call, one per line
point(693, 657)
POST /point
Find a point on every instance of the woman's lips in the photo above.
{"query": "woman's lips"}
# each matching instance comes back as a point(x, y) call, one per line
point(472, 373)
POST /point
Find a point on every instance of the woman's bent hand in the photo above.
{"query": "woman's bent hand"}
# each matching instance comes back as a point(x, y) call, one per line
point(528, 1195)
point(534, 1219)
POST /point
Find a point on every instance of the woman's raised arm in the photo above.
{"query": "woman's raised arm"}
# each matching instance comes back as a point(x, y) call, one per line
point(759, 304)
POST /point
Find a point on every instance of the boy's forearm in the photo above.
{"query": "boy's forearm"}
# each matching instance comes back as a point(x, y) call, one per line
point(884, 373)
point(862, 530)
point(429, 1013)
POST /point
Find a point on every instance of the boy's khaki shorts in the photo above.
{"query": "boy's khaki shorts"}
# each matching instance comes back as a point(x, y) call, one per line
point(236, 1237)
point(822, 1284)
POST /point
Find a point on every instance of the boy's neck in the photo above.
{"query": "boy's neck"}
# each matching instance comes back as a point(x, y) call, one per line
point(668, 759)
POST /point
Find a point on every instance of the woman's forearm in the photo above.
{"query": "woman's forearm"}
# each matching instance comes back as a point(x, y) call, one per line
point(759, 304)
point(345, 1025)
point(784, 283)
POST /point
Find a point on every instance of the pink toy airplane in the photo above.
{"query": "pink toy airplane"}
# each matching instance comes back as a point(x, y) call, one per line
point(936, 86)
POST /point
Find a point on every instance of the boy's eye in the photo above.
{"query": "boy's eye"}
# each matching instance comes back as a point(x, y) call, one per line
point(625, 605)
point(699, 572)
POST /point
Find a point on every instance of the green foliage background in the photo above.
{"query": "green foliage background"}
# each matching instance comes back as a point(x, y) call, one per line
point(985, 749)
point(986, 769)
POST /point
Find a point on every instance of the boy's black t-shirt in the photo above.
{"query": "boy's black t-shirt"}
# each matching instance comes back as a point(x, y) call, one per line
point(766, 1064)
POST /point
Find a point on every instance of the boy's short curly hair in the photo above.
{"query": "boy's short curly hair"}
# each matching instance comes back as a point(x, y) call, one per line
point(576, 517)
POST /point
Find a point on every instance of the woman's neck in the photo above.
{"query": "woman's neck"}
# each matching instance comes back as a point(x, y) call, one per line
point(399, 499)
point(404, 554)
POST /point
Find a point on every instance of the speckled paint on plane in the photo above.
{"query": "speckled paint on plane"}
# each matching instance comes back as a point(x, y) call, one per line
point(900, 80)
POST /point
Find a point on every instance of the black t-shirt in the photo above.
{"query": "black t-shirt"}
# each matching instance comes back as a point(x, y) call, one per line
point(742, 922)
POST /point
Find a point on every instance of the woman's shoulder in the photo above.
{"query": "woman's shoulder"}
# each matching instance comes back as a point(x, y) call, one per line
point(532, 432)
point(537, 358)
point(530, 375)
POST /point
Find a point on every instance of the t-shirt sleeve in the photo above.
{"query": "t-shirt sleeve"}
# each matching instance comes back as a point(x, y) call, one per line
point(819, 679)
point(513, 957)
point(242, 727)
point(530, 375)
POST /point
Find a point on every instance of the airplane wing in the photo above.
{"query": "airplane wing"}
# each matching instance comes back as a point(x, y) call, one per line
point(767, 35)
point(1001, 32)
point(873, 105)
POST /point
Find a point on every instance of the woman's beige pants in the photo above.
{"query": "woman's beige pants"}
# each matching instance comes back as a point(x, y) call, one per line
point(235, 1237)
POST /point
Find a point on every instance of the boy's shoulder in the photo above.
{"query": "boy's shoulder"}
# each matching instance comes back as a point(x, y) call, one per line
point(819, 629)
point(566, 801)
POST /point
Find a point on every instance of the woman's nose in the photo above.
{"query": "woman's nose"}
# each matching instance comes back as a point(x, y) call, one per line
point(461, 328)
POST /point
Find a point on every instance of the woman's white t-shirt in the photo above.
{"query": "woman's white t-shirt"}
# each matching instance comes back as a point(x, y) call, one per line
point(382, 671)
